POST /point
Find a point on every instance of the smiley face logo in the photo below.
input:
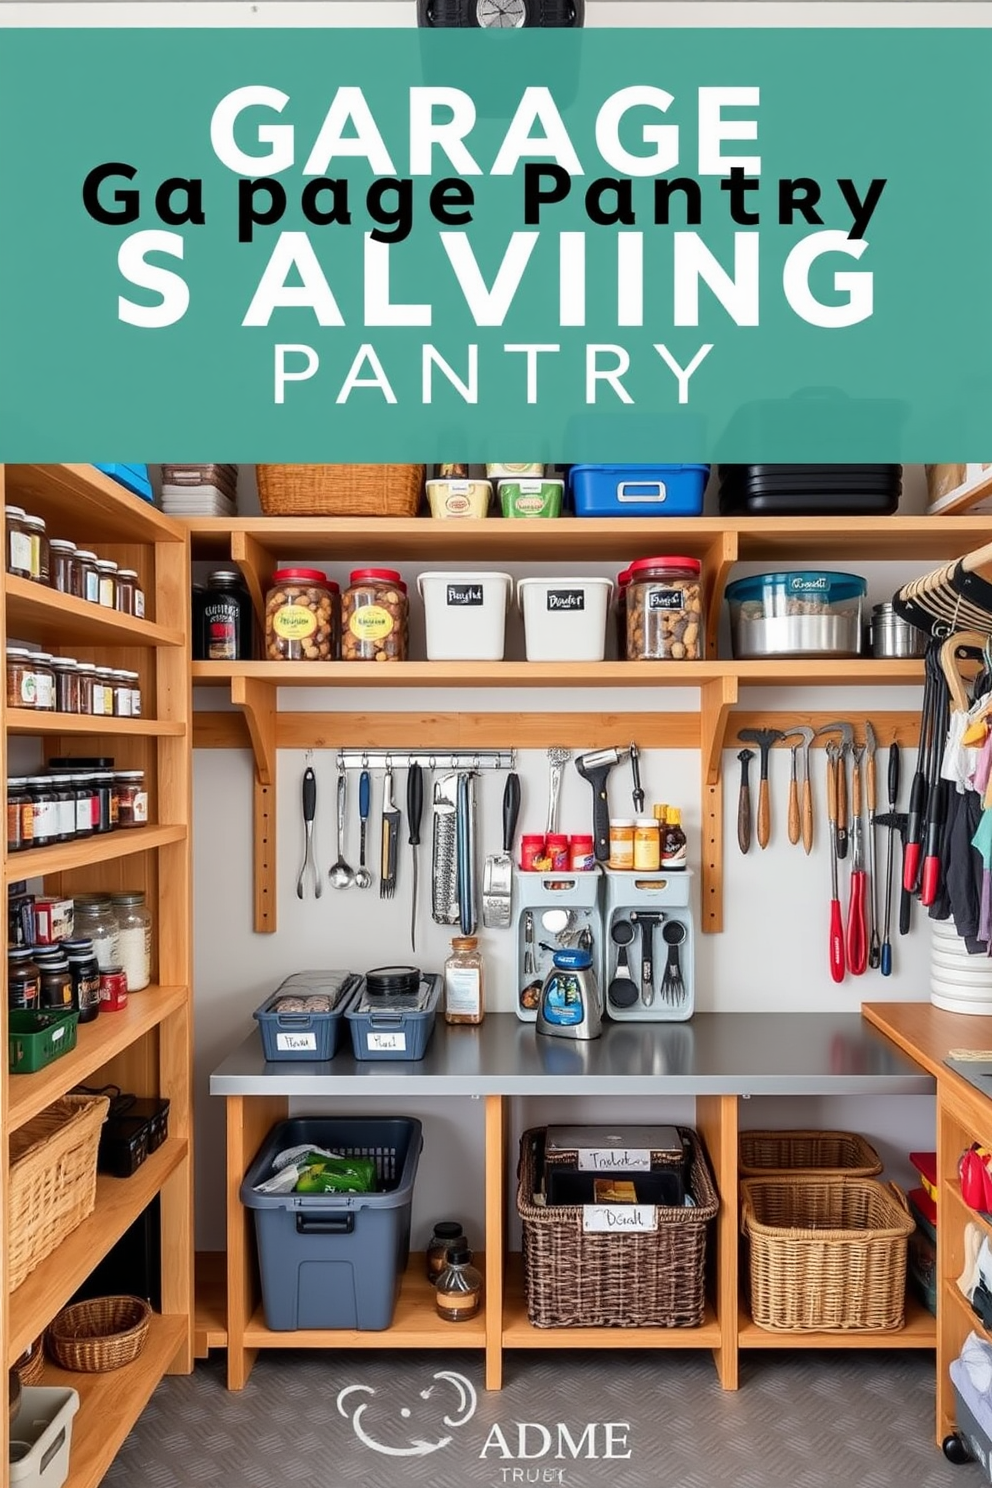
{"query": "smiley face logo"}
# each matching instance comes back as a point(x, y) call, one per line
point(357, 1402)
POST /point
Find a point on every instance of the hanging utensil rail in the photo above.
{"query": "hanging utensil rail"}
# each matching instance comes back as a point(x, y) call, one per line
point(428, 759)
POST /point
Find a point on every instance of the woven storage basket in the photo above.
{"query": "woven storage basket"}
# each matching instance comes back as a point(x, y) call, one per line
point(102, 1334)
point(340, 490)
point(653, 1280)
point(52, 1179)
point(826, 1255)
point(824, 1153)
point(30, 1366)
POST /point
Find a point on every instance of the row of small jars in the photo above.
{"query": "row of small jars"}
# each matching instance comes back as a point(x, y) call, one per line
point(108, 955)
point(45, 809)
point(60, 564)
point(60, 684)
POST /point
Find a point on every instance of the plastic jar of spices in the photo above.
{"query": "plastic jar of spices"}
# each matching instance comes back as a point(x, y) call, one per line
point(226, 617)
point(375, 616)
point(66, 684)
point(531, 849)
point(86, 576)
point(130, 598)
point(18, 542)
point(302, 616)
point(665, 620)
point(134, 925)
point(113, 989)
point(23, 979)
point(107, 586)
point(40, 570)
point(94, 919)
point(458, 1289)
point(622, 843)
point(558, 852)
point(44, 682)
point(647, 845)
point(132, 798)
point(62, 560)
point(581, 854)
point(447, 1236)
point(22, 689)
point(85, 972)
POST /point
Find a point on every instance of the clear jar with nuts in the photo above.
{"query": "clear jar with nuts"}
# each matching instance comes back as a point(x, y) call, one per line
point(375, 616)
point(665, 620)
point(301, 616)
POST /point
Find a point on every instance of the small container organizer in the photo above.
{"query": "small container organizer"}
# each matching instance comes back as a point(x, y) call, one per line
point(100, 1335)
point(578, 1278)
point(921, 1260)
point(809, 490)
point(665, 897)
point(134, 1128)
point(534, 894)
point(36, 1038)
point(52, 1186)
point(302, 1019)
point(803, 613)
point(638, 490)
point(465, 615)
point(564, 618)
point(335, 1260)
point(825, 1255)
point(41, 1438)
point(340, 490)
point(824, 1154)
point(656, 1159)
point(379, 1033)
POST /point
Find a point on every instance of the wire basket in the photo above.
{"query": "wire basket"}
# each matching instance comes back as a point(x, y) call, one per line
point(52, 1185)
point(340, 490)
point(824, 1153)
point(100, 1335)
point(575, 1279)
point(826, 1255)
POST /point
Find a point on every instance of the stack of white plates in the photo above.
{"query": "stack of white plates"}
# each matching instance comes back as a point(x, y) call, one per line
point(196, 501)
point(959, 982)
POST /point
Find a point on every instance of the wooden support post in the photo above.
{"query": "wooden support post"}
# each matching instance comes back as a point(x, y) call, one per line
point(495, 1237)
point(716, 1119)
point(719, 560)
point(256, 569)
point(715, 702)
point(249, 1121)
point(257, 700)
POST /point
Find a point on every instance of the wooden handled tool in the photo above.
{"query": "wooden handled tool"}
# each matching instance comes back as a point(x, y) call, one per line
point(764, 738)
point(801, 817)
point(744, 803)
point(794, 823)
point(846, 732)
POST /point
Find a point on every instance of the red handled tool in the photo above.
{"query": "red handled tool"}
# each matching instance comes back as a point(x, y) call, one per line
point(889, 821)
point(936, 817)
point(857, 918)
point(836, 924)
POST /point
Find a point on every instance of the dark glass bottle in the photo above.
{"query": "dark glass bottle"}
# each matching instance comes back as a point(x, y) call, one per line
point(227, 618)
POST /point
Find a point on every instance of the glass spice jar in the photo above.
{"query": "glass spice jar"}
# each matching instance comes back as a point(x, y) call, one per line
point(85, 576)
point(665, 620)
point(132, 798)
point(106, 570)
point(18, 542)
point(448, 1235)
point(103, 692)
point(44, 682)
point(44, 812)
point(106, 798)
point(17, 799)
point(55, 988)
point(22, 689)
point(135, 682)
point(130, 599)
point(122, 694)
point(66, 684)
point(647, 845)
point(85, 972)
point(23, 980)
point(458, 1289)
point(65, 795)
point(375, 616)
point(134, 925)
point(62, 560)
point(94, 920)
point(622, 843)
point(226, 617)
point(302, 616)
point(464, 982)
point(40, 571)
point(85, 680)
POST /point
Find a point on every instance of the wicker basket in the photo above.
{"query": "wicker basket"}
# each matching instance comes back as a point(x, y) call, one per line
point(824, 1153)
point(579, 1280)
point(52, 1179)
point(97, 1336)
point(826, 1255)
point(30, 1366)
point(340, 490)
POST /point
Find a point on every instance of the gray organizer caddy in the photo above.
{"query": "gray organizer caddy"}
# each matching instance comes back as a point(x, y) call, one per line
point(667, 896)
point(536, 893)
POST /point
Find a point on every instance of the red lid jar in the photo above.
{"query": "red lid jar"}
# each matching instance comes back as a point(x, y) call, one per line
point(375, 616)
point(665, 616)
point(302, 616)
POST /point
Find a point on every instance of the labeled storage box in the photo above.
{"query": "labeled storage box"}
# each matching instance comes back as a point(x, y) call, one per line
point(564, 618)
point(335, 1260)
point(656, 1160)
point(41, 1438)
point(826, 1255)
point(52, 1185)
point(826, 1154)
point(579, 1277)
point(37, 1038)
point(380, 1033)
point(465, 614)
point(638, 490)
point(302, 1018)
point(131, 477)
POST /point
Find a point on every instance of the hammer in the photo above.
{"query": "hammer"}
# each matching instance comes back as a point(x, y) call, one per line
point(764, 738)
point(800, 820)
point(595, 768)
point(846, 742)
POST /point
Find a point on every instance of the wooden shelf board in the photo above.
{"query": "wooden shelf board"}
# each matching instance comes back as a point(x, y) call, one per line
point(961, 1302)
point(119, 1201)
point(797, 672)
point(62, 857)
point(920, 1332)
point(36, 613)
point(210, 1314)
point(109, 1404)
point(785, 539)
point(415, 1323)
point(27, 721)
point(79, 501)
point(97, 1043)
point(520, 1332)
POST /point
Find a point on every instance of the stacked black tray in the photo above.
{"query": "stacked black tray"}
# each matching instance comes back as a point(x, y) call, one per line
point(809, 490)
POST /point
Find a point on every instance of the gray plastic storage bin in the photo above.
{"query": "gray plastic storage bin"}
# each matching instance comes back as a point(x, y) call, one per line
point(43, 1425)
point(381, 1034)
point(305, 1035)
point(335, 1260)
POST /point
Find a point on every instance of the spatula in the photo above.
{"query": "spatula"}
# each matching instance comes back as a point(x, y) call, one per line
point(498, 872)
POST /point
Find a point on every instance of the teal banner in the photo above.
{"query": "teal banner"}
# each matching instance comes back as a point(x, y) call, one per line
point(610, 246)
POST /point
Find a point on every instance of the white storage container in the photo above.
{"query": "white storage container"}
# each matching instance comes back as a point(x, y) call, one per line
point(42, 1426)
point(465, 614)
point(565, 619)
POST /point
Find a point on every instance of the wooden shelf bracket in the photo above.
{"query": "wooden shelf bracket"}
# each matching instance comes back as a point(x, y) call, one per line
point(256, 567)
point(257, 701)
point(716, 699)
point(721, 555)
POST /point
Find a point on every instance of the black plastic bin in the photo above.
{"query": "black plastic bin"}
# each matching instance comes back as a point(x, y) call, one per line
point(335, 1260)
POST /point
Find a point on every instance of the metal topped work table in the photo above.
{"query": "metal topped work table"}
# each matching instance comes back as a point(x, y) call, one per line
point(717, 1058)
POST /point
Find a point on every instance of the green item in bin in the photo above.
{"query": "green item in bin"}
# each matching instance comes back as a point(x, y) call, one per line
point(531, 497)
point(336, 1174)
point(37, 1038)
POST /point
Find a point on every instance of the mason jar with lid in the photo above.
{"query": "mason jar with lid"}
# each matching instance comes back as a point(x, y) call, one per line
point(95, 920)
point(375, 616)
point(66, 684)
point(302, 616)
point(84, 969)
point(45, 810)
point(130, 598)
point(86, 678)
point(103, 692)
point(106, 570)
point(86, 576)
point(44, 682)
point(62, 558)
point(17, 799)
point(135, 684)
point(22, 688)
point(665, 619)
point(122, 694)
point(39, 549)
point(132, 798)
point(134, 924)
point(23, 979)
point(18, 542)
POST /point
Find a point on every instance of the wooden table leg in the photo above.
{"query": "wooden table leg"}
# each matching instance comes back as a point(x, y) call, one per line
point(716, 1119)
point(249, 1121)
point(495, 1237)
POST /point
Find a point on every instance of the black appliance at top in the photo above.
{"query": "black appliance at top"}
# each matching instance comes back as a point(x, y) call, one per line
point(500, 14)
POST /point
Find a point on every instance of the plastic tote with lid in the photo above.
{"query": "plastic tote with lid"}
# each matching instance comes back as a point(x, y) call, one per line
point(465, 615)
point(565, 618)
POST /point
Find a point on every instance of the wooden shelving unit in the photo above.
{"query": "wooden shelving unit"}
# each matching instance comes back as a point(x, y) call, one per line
point(148, 1047)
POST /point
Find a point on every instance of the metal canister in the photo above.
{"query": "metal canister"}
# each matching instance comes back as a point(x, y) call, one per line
point(891, 636)
point(113, 989)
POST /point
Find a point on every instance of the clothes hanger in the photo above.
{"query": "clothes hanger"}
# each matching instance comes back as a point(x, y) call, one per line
point(949, 664)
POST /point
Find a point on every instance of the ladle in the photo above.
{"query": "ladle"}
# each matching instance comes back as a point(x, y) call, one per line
point(340, 875)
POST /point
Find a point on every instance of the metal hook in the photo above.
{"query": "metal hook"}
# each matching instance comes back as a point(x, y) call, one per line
point(475, 764)
point(365, 759)
point(308, 757)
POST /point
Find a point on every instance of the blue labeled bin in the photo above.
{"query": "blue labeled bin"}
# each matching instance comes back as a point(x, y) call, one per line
point(380, 1033)
point(638, 490)
point(305, 1034)
point(335, 1260)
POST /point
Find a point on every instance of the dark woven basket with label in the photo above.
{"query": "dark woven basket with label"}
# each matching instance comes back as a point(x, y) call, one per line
point(340, 490)
point(575, 1279)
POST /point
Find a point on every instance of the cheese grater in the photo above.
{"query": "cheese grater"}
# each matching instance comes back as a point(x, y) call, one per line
point(444, 859)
